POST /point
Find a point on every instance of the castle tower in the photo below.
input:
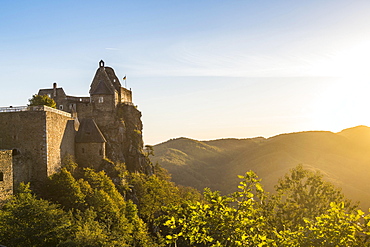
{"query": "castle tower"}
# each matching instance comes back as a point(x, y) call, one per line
point(90, 144)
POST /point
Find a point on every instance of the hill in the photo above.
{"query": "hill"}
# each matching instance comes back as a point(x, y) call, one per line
point(343, 158)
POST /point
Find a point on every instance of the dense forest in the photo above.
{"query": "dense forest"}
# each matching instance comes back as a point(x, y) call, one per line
point(79, 206)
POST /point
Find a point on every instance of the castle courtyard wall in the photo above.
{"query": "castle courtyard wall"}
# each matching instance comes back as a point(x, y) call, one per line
point(6, 174)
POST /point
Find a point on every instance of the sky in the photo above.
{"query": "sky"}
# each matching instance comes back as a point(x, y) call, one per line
point(204, 69)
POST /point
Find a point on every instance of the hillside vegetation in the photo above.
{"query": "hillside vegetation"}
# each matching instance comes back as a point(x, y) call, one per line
point(81, 206)
point(343, 158)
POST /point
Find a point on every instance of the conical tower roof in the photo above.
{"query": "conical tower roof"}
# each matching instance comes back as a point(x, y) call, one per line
point(89, 132)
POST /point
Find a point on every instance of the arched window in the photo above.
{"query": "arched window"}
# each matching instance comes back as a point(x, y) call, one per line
point(1, 176)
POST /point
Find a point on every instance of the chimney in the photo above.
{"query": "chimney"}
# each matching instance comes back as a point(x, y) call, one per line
point(54, 89)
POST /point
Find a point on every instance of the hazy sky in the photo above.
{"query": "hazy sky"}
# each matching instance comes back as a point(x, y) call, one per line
point(202, 69)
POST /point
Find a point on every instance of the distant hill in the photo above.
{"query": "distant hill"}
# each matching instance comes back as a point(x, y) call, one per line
point(343, 158)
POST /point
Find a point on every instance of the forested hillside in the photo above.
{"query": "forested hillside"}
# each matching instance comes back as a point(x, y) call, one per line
point(81, 206)
point(343, 158)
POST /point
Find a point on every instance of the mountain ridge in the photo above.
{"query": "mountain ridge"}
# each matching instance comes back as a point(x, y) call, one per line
point(343, 158)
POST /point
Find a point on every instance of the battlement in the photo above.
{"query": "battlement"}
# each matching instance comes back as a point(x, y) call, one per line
point(34, 108)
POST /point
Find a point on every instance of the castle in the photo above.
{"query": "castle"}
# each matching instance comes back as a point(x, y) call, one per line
point(34, 140)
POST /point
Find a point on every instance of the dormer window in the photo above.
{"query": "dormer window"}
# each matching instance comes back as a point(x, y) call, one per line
point(101, 99)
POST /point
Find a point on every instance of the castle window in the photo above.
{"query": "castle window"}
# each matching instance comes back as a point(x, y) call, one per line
point(101, 100)
point(83, 150)
point(1, 176)
point(61, 107)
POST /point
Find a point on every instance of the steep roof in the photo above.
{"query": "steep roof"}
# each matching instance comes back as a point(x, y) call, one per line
point(102, 88)
point(105, 81)
point(113, 78)
point(89, 132)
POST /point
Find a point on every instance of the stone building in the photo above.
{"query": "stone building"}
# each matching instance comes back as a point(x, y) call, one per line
point(105, 125)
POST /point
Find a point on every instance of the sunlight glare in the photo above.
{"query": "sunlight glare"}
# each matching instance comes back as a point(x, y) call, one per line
point(341, 105)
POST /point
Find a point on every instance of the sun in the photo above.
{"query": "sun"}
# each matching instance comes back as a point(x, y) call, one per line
point(342, 104)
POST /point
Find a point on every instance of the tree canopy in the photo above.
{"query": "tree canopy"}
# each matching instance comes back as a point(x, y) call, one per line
point(84, 207)
point(37, 100)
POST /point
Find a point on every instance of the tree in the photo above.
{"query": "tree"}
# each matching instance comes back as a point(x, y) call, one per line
point(233, 220)
point(336, 227)
point(37, 100)
point(101, 216)
point(303, 194)
point(28, 221)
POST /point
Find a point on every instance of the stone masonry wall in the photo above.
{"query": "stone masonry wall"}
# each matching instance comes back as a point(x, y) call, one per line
point(6, 174)
point(39, 141)
point(24, 133)
point(60, 136)
point(90, 154)
point(126, 95)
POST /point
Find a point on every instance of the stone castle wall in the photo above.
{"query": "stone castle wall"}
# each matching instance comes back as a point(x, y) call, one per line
point(24, 133)
point(90, 154)
point(126, 95)
point(6, 174)
point(60, 138)
point(38, 140)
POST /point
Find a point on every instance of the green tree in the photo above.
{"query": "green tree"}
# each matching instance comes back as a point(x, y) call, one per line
point(100, 212)
point(28, 221)
point(302, 194)
point(152, 193)
point(336, 227)
point(37, 100)
point(233, 220)
point(64, 189)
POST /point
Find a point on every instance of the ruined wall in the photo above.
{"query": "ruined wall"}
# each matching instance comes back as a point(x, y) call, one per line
point(24, 132)
point(60, 135)
point(6, 174)
point(38, 140)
